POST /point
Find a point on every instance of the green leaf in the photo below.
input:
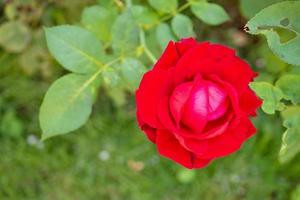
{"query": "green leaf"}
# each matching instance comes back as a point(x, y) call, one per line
point(209, 13)
point(291, 138)
point(67, 105)
point(285, 15)
point(111, 77)
point(164, 35)
point(168, 6)
point(290, 144)
point(182, 26)
point(99, 20)
point(125, 34)
point(132, 71)
point(75, 48)
point(290, 86)
point(143, 16)
point(14, 36)
point(271, 96)
point(250, 7)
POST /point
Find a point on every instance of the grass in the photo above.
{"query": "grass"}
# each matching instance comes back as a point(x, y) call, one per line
point(110, 158)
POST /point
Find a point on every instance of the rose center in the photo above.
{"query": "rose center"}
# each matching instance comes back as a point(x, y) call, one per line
point(204, 101)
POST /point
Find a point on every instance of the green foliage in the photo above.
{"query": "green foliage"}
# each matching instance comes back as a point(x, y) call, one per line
point(99, 20)
point(11, 125)
point(14, 36)
point(271, 96)
point(210, 13)
point(296, 193)
point(125, 34)
point(164, 6)
point(143, 16)
point(250, 7)
point(182, 26)
point(109, 156)
point(285, 15)
point(67, 105)
point(132, 70)
point(290, 86)
point(291, 138)
point(164, 34)
point(75, 48)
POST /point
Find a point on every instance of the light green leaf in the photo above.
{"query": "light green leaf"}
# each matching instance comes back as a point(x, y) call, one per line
point(250, 7)
point(75, 48)
point(209, 13)
point(182, 26)
point(285, 15)
point(14, 36)
point(291, 138)
point(99, 20)
point(271, 96)
point(291, 116)
point(164, 35)
point(125, 34)
point(132, 71)
point(290, 86)
point(111, 76)
point(67, 105)
point(168, 6)
point(290, 144)
point(143, 16)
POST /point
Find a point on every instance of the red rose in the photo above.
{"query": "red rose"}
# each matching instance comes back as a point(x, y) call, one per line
point(195, 103)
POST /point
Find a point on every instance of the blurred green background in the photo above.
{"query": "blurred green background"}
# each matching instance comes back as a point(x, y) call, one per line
point(110, 158)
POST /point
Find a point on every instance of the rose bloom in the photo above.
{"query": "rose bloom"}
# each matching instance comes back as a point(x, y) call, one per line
point(195, 103)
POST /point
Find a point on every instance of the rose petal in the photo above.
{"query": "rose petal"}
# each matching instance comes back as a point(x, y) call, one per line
point(154, 85)
point(249, 102)
point(164, 115)
point(230, 141)
point(185, 44)
point(169, 147)
point(205, 58)
point(178, 99)
point(206, 102)
point(169, 57)
point(200, 162)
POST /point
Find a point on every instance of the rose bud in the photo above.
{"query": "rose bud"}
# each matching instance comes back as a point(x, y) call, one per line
point(195, 103)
